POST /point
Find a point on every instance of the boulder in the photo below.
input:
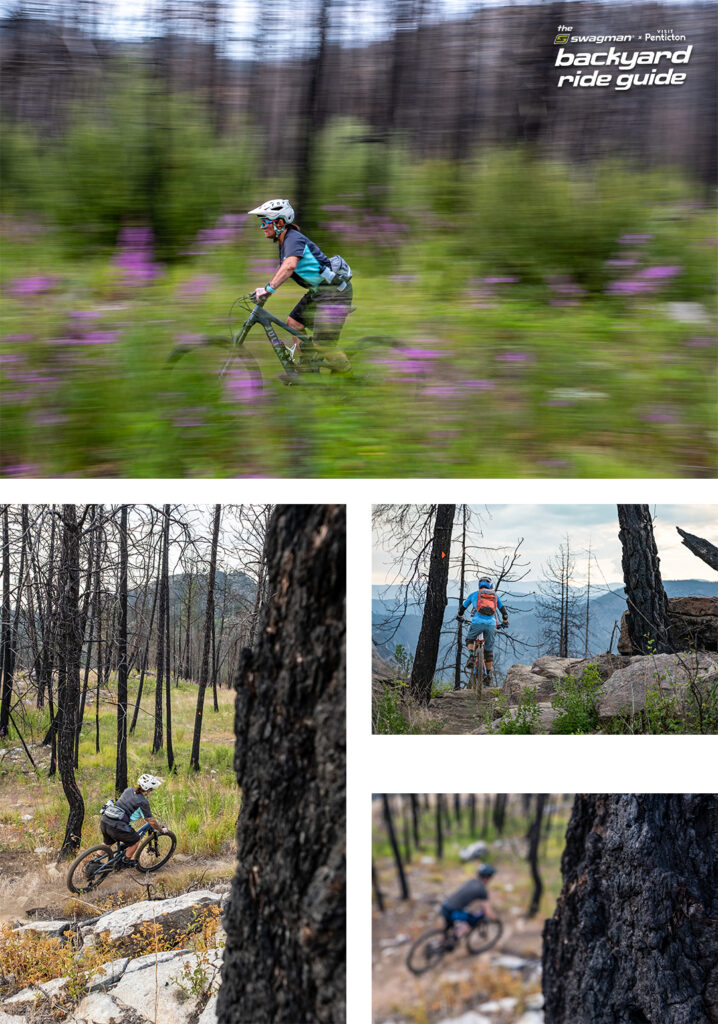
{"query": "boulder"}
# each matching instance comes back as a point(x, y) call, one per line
point(474, 851)
point(694, 622)
point(543, 675)
point(625, 691)
point(51, 929)
point(154, 992)
point(174, 915)
point(99, 1008)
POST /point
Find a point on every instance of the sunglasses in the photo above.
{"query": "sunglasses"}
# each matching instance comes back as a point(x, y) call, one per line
point(265, 222)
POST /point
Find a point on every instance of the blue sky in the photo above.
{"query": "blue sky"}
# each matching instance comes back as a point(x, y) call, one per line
point(544, 527)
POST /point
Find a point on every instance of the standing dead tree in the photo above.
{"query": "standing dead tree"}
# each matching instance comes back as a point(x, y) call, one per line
point(285, 955)
point(427, 647)
point(647, 617)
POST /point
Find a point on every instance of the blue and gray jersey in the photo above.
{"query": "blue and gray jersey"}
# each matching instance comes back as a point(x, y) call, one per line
point(312, 260)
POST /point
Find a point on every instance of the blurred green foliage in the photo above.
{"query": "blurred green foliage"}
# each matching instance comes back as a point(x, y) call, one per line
point(532, 295)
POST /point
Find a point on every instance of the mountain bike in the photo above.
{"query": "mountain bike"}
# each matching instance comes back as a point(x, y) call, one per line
point(431, 947)
point(476, 667)
point(237, 368)
point(93, 866)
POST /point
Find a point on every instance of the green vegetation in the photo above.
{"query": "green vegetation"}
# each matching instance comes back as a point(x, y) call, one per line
point(395, 714)
point(524, 720)
point(535, 295)
point(201, 808)
point(577, 702)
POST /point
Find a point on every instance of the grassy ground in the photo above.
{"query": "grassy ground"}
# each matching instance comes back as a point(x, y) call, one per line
point(481, 377)
point(201, 808)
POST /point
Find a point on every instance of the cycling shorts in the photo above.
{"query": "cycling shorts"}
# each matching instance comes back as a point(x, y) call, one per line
point(118, 832)
point(489, 631)
point(450, 914)
point(323, 310)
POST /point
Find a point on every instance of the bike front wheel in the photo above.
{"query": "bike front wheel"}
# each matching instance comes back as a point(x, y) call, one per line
point(427, 951)
point(232, 366)
point(155, 851)
point(90, 869)
point(485, 935)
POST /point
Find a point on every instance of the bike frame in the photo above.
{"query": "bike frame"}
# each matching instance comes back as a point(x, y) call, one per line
point(259, 315)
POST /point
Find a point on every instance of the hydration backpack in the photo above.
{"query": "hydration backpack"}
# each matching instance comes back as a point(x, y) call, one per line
point(487, 602)
point(338, 272)
point(110, 810)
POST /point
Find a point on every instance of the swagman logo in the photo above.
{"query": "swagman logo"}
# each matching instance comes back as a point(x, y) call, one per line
point(560, 40)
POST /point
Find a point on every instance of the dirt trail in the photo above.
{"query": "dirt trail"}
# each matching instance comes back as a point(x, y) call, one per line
point(459, 710)
point(33, 886)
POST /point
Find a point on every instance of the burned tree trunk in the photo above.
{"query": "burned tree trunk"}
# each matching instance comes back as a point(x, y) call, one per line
point(703, 549)
point(647, 617)
point(68, 687)
point(284, 959)
point(427, 646)
point(633, 939)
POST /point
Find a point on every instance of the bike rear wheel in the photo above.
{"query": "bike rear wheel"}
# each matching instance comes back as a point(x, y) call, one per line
point(428, 950)
point(155, 851)
point(485, 935)
point(478, 672)
point(90, 869)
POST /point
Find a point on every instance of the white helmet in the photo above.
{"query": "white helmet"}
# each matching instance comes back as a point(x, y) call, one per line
point(273, 209)
point(149, 782)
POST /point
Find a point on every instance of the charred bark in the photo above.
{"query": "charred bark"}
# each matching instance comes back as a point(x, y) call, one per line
point(703, 549)
point(427, 646)
point(647, 617)
point(284, 959)
point(633, 939)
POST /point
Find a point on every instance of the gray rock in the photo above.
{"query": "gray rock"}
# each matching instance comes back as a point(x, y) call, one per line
point(154, 991)
point(474, 851)
point(499, 1005)
point(625, 691)
point(108, 975)
point(99, 1008)
point(49, 928)
point(175, 914)
point(531, 1017)
point(209, 1014)
point(472, 1017)
point(140, 962)
point(542, 675)
point(50, 989)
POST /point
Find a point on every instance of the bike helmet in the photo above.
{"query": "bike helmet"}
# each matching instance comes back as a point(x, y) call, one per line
point(149, 782)
point(273, 209)
point(484, 582)
point(486, 871)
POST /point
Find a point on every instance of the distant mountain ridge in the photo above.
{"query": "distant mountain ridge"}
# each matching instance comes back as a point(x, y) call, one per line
point(606, 609)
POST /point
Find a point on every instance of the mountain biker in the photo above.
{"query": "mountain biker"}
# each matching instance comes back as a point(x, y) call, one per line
point(327, 302)
point(485, 602)
point(132, 805)
point(453, 908)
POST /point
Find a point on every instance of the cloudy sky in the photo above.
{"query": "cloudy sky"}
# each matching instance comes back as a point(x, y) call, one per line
point(544, 527)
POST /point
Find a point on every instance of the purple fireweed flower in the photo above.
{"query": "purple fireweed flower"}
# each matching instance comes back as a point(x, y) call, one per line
point(501, 280)
point(620, 263)
point(85, 314)
point(23, 286)
point(198, 285)
point(27, 469)
point(479, 385)
point(700, 342)
point(634, 239)
point(135, 257)
point(659, 414)
point(628, 287)
point(241, 388)
point(515, 357)
point(659, 273)
point(554, 463)
point(16, 339)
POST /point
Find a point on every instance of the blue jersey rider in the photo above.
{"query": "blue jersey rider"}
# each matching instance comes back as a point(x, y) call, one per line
point(132, 805)
point(327, 302)
point(486, 604)
point(453, 908)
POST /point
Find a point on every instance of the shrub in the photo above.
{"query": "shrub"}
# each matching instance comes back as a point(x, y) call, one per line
point(524, 720)
point(576, 701)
